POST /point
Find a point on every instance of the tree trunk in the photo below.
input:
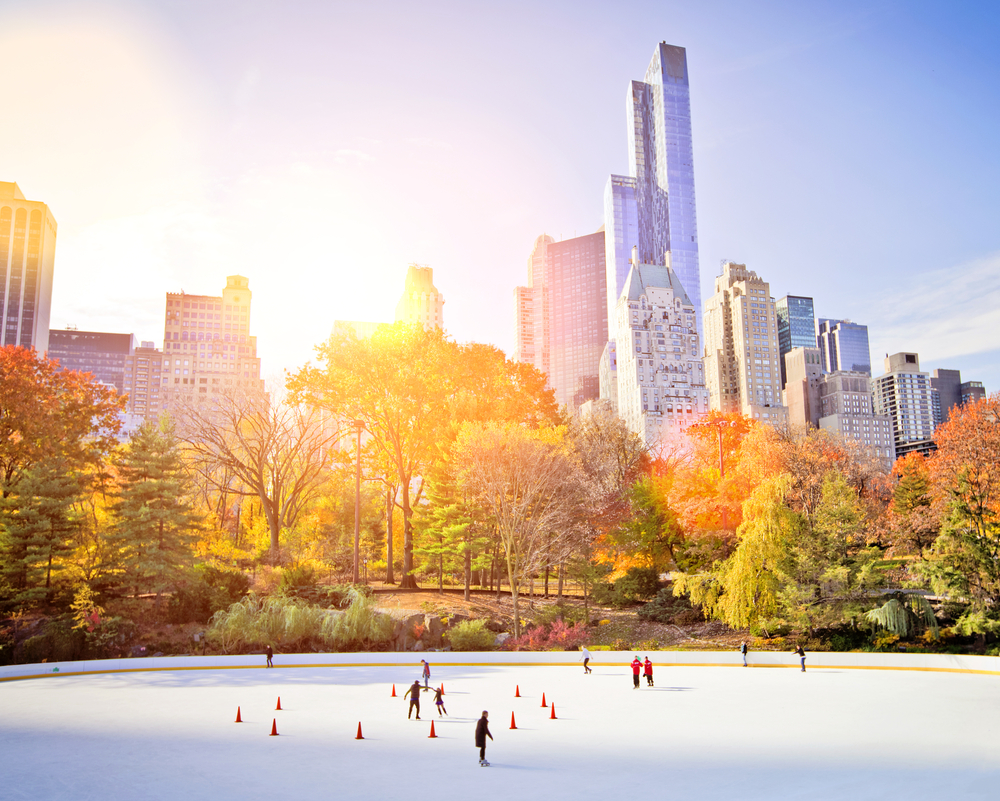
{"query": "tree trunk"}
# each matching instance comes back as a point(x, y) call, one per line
point(390, 502)
point(408, 582)
point(440, 574)
point(468, 573)
point(546, 595)
point(559, 590)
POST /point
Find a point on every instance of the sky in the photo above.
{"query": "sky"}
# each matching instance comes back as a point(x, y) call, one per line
point(845, 151)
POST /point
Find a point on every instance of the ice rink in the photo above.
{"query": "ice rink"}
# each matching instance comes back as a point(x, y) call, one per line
point(703, 732)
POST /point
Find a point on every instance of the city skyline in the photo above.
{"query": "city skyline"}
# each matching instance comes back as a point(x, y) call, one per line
point(813, 149)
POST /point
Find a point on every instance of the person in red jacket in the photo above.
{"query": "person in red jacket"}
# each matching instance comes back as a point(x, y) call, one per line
point(648, 671)
point(636, 669)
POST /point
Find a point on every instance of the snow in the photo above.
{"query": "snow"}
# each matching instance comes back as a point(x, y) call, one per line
point(704, 732)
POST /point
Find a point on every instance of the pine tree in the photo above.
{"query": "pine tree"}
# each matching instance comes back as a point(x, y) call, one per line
point(154, 522)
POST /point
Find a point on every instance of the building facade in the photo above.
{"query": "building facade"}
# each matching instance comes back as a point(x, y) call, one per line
point(144, 374)
point(560, 318)
point(847, 409)
point(207, 345)
point(843, 346)
point(796, 327)
point(972, 391)
point(103, 355)
point(741, 347)
point(905, 396)
point(801, 393)
point(661, 383)
point(420, 301)
point(27, 257)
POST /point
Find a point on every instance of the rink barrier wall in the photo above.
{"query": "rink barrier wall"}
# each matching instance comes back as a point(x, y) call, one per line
point(818, 660)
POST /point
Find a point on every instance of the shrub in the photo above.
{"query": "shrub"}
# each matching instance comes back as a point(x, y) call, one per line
point(561, 610)
point(208, 590)
point(636, 585)
point(552, 637)
point(667, 608)
point(470, 635)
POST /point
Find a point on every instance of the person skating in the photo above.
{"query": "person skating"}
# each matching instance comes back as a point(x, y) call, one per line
point(427, 673)
point(270, 655)
point(414, 693)
point(743, 651)
point(802, 656)
point(636, 668)
point(439, 701)
point(647, 669)
point(482, 732)
point(586, 658)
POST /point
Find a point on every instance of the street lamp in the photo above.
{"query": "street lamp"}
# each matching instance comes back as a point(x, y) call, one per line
point(356, 579)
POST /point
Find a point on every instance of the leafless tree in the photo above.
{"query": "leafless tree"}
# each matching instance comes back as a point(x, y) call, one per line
point(247, 444)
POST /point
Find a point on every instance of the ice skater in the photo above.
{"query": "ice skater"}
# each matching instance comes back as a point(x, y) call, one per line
point(270, 655)
point(439, 701)
point(482, 732)
point(414, 693)
point(647, 669)
point(636, 668)
point(586, 658)
point(802, 656)
point(743, 652)
point(427, 673)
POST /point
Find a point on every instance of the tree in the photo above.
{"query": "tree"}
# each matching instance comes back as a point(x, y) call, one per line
point(279, 453)
point(528, 484)
point(51, 414)
point(154, 522)
point(915, 520)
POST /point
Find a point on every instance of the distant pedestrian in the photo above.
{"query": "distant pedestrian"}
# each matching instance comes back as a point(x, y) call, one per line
point(586, 658)
point(743, 651)
point(414, 693)
point(270, 656)
point(636, 669)
point(482, 732)
point(439, 701)
point(648, 671)
point(802, 656)
point(427, 673)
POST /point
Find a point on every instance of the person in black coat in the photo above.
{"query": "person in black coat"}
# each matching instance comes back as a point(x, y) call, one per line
point(414, 693)
point(270, 655)
point(482, 732)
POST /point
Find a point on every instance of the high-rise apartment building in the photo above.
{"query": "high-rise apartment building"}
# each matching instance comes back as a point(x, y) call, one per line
point(801, 393)
point(972, 391)
point(144, 374)
point(661, 384)
point(27, 255)
point(420, 301)
point(796, 327)
point(843, 346)
point(207, 347)
point(904, 394)
point(847, 409)
point(741, 347)
point(560, 318)
point(947, 393)
point(653, 209)
point(99, 353)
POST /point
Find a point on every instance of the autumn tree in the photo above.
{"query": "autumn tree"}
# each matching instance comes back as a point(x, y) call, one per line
point(916, 521)
point(246, 444)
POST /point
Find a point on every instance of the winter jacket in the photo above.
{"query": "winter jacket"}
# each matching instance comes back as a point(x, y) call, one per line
point(649, 668)
point(482, 732)
point(636, 667)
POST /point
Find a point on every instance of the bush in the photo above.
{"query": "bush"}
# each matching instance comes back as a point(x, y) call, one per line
point(208, 590)
point(638, 584)
point(556, 636)
point(470, 635)
point(561, 610)
point(667, 608)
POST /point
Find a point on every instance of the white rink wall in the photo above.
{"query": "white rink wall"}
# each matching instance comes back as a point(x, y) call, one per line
point(661, 659)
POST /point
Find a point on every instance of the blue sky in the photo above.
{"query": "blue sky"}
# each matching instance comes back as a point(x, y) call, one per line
point(846, 151)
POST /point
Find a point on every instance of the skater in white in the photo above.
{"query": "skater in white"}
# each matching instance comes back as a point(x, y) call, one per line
point(482, 732)
point(585, 656)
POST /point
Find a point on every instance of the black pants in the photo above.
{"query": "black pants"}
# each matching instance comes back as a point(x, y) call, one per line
point(635, 679)
point(585, 668)
point(649, 679)
point(415, 703)
point(482, 753)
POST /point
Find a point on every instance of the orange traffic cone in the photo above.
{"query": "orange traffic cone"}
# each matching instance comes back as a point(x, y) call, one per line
point(517, 691)
point(513, 725)
point(553, 715)
point(278, 707)
point(432, 734)
point(393, 691)
point(543, 700)
point(238, 718)
point(442, 688)
point(274, 727)
point(359, 737)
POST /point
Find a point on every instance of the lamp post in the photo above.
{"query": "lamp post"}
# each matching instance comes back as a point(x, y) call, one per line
point(356, 578)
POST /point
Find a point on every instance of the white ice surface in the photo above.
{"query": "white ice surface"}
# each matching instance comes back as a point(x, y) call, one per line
point(701, 733)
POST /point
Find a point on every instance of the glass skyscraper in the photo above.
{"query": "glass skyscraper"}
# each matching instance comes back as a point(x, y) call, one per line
point(843, 345)
point(796, 327)
point(654, 208)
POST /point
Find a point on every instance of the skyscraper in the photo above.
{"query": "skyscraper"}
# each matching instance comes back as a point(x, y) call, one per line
point(904, 394)
point(654, 208)
point(420, 302)
point(796, 327)
point(741, 347)
point(843, 346)
point(27, 254)
point(101, 354)
point(560, 320)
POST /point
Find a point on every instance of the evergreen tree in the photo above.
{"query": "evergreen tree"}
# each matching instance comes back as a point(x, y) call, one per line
point(37, 524)
point(154, 522)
